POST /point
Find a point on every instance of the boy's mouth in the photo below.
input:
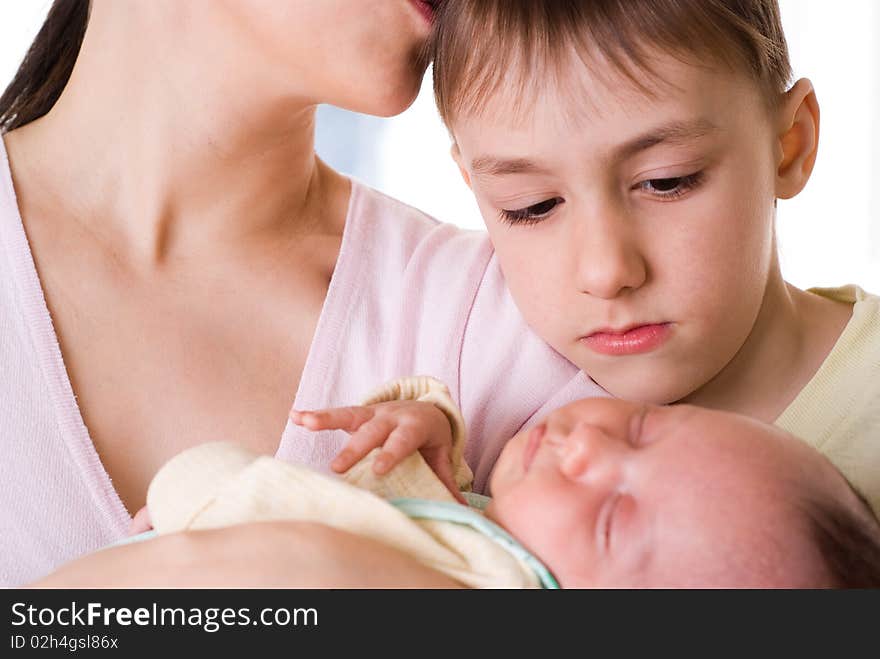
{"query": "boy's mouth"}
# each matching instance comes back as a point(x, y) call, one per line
point(630, 340)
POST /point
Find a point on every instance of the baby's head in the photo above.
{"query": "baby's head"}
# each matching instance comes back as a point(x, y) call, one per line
point(610, 493)
point(627, 156)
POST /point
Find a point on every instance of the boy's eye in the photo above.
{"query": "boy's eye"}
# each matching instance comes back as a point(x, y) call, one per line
point(671, 188)
point(531, 214)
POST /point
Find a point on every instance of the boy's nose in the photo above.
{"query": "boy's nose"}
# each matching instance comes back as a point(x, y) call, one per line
point(609, 261)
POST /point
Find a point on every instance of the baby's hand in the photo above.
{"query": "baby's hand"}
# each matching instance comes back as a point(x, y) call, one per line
point(140, 523)
point(400, 427)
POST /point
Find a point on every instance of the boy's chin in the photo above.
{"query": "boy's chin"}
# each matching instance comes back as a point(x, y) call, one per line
point(641, 385)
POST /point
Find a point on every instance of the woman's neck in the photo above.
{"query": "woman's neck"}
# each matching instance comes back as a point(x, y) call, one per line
point(163, 142)
point(792, 336)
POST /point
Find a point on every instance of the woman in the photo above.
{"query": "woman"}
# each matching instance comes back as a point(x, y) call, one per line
point(170, 236)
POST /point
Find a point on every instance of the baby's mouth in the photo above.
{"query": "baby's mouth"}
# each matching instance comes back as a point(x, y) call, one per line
point(533, 443)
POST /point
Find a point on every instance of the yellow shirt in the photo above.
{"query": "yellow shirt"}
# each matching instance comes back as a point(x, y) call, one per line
point(838, 412)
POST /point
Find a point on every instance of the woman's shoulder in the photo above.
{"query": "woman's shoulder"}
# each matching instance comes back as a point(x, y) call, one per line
point(371, 205)
point(16, 261)
point(402, 247)
point(400, 224)
point(8, 203)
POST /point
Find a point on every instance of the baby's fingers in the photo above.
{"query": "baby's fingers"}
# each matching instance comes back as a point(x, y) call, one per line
point(440, 463)
point(370, 435)
point(401, 443)
point(336, 418)
point(141, 522)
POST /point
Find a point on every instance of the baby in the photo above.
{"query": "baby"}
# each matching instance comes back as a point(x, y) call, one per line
point(604, 493)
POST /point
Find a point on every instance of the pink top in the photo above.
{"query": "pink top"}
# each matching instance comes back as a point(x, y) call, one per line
point(409, 296)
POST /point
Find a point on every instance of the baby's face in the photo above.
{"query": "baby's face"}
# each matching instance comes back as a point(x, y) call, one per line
point(635, 231)
point(616, 494)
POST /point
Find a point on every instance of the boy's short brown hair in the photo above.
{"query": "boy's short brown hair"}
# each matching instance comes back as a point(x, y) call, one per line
point(481, 44)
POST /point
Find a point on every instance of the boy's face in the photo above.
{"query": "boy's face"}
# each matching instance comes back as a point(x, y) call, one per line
point(611, 493)
point(638, 239)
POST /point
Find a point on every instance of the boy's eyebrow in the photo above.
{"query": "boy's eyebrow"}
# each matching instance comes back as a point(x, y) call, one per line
point(491, 166)
point(676, 132)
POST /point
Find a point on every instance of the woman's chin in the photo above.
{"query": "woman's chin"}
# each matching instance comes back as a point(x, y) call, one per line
point(386, 94)
point(390, 104)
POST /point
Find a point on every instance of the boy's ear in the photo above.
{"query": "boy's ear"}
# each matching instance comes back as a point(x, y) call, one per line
point(798, 139)
point(456, 156)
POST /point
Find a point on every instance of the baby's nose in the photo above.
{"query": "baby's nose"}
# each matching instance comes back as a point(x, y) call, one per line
point(589, 451)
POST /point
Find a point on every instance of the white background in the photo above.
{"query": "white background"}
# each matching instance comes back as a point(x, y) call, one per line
point(829, 234)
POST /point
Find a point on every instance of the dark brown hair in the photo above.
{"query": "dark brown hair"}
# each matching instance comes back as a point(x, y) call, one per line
point(47, 66)
point(481, 45)
point(848, 543)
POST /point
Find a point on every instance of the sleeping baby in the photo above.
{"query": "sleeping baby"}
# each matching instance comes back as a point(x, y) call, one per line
point(603, 493)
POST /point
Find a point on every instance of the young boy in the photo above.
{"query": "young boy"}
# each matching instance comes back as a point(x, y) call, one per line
point(627, 157)
point(604, 493)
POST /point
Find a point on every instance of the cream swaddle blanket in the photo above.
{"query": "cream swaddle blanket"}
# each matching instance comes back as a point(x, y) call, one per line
point(220, 484)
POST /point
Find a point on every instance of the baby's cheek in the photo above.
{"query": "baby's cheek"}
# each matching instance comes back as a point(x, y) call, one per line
point(512, 511)
point(532, 517)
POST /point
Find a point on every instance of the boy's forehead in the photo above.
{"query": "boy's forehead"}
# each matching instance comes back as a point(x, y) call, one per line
point(521, 96)
point(680, 98)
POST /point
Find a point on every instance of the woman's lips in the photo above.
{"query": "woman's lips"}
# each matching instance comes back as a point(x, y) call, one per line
point(632, 341)
point(426, 8)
